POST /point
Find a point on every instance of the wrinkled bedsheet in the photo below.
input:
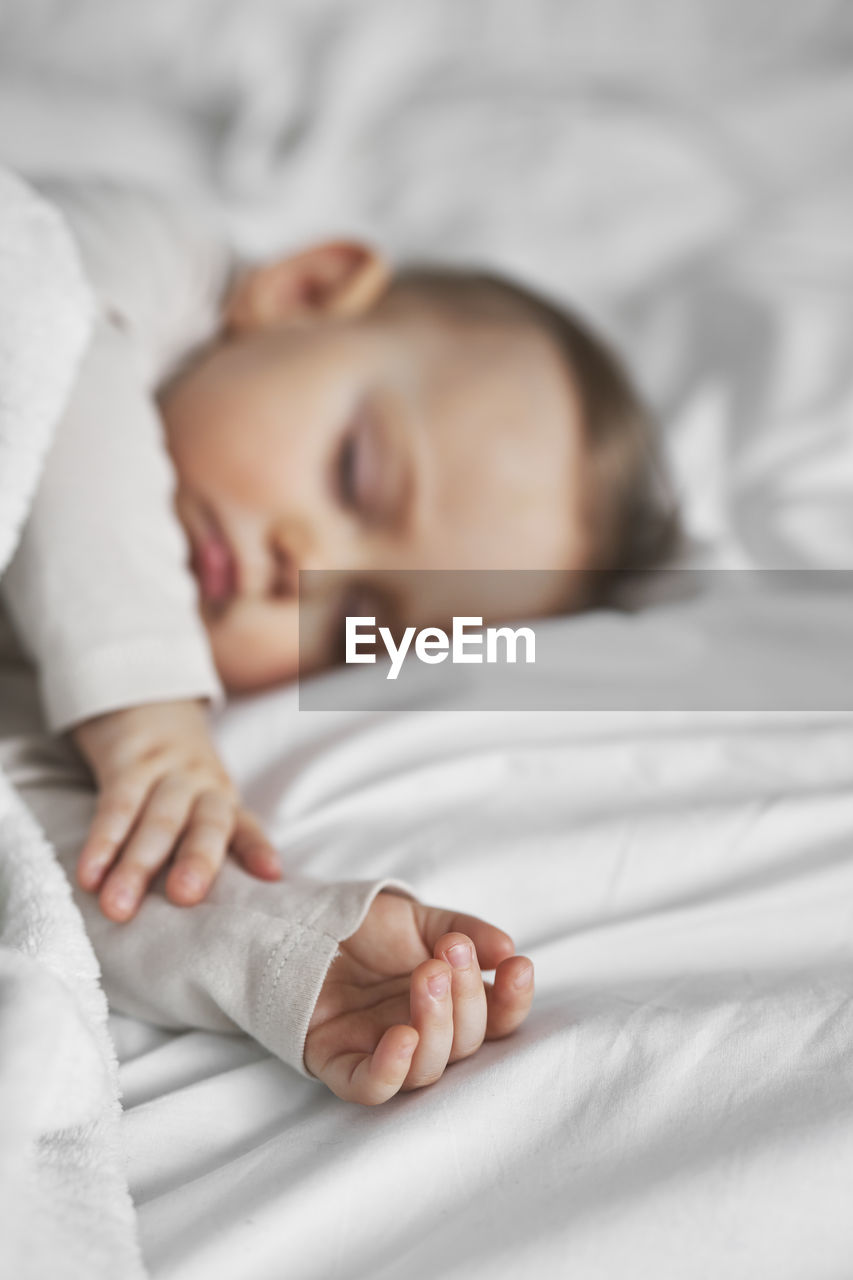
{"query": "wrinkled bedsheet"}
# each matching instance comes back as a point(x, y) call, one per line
point(679, 1102)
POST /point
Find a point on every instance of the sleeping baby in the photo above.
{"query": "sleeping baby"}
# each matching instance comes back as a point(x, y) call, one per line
point(232, 425)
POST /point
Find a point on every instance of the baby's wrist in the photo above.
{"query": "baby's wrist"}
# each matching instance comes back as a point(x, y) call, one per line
point(119, 739)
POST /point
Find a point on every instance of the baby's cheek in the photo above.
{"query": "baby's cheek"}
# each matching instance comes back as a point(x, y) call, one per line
point(255, 644)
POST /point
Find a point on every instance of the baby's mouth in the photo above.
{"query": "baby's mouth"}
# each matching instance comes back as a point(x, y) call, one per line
point(213, 564)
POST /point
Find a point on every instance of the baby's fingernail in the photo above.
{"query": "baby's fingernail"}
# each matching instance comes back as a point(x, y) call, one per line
point(120, 899)
point(439, 984)
point(92, 865)
point(459, 955)
point(524, 978)
point(190, 882)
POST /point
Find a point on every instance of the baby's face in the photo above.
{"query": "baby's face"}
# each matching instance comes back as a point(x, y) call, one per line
point(396, 438)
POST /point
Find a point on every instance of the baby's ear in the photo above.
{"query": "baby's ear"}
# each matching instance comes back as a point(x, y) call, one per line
point(330, 281)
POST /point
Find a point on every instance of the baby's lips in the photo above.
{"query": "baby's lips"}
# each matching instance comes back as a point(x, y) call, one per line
point(215, 570)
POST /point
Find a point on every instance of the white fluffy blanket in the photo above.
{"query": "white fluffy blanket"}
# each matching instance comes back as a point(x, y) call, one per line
point(65, 1210)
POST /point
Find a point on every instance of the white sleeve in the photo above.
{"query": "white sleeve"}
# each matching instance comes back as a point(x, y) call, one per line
point(100, 591)
point(251, 957)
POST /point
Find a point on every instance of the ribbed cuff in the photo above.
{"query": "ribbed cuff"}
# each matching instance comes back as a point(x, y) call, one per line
point(154, 668)
point(296, 968)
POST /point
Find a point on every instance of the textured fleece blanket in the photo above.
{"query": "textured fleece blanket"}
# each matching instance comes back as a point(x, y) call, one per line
point(65, 1210)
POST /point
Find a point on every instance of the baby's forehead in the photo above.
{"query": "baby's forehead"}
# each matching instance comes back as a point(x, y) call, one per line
point(502, 384)
point(502, 451)
point(490, 352)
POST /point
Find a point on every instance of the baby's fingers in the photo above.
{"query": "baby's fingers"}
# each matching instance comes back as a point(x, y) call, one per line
point(202, 850)
point(469, 998)
point(492, 945)
point(431, 1002)
point(115, 814)
point(510, 997)
point(251, 847)
point(373, 1078)
point(164, 815)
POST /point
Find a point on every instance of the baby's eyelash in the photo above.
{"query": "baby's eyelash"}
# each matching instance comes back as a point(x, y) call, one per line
point(346, 469)
point(363, 477)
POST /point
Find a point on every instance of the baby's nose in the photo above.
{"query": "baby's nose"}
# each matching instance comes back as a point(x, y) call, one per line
point(297, 546)
point(290, 547)
point(284, 574)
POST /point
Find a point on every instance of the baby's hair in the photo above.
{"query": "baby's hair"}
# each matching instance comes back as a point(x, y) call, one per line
point(632, 516)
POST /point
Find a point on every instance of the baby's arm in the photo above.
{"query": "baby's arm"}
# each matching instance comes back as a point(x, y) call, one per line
point(332, 978)
point(100, 590)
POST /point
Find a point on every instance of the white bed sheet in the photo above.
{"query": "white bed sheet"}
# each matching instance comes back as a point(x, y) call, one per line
point(679, 1102)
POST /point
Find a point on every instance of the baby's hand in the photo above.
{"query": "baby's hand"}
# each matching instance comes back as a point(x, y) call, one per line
point(164, 793)
point(395, 1008)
